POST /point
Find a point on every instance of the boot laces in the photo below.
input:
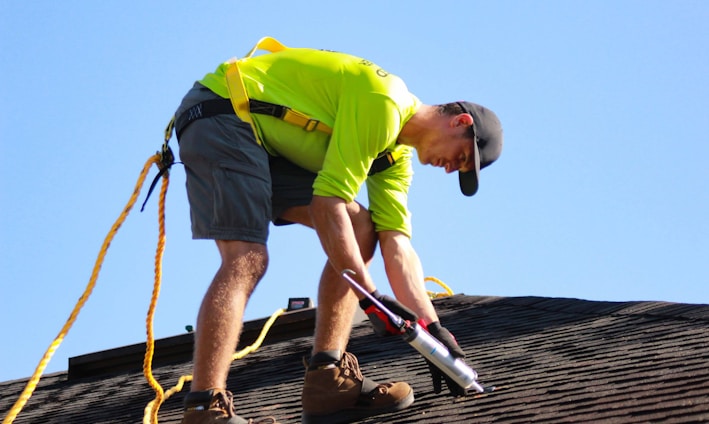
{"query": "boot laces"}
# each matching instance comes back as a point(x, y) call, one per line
point(224, 400)
point(349, 362)
point(383, 388)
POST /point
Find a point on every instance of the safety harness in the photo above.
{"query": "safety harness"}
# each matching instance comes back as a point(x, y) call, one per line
point(243, 106)
point(239, 103)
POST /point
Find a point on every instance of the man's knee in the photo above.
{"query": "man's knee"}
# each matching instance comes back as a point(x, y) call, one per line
point(363, 229)
point(360, 216)
point(243, 258)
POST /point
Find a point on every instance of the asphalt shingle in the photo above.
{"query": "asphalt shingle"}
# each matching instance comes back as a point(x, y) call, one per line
point(553, 360)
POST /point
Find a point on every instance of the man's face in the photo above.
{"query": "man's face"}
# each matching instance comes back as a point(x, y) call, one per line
point(453, 153)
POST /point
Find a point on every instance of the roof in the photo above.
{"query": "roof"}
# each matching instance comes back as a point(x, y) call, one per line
point(552, 359)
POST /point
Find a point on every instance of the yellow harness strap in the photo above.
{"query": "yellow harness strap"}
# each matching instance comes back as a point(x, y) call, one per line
point(240, 100)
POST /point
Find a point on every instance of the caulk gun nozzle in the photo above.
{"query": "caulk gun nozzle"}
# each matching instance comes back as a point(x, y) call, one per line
point(478, 388)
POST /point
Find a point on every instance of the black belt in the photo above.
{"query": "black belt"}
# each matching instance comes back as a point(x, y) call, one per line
point(206, 109)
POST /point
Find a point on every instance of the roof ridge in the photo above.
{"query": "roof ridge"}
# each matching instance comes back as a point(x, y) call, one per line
point(574, 306)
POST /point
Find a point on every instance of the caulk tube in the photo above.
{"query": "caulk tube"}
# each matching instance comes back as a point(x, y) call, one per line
point(433, 350)
point(427, 345)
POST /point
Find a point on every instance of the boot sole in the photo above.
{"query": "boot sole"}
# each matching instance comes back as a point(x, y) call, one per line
point(353, 414)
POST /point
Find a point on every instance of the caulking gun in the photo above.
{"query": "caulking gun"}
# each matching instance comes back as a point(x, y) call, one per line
point(427, 345)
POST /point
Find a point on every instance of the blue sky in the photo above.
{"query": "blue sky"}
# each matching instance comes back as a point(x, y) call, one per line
point(601, 192)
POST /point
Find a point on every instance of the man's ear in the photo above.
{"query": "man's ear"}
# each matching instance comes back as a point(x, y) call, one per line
point(463, 119)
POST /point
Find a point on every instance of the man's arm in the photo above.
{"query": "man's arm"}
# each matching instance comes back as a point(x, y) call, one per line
point(335, 231)
point(405, 274)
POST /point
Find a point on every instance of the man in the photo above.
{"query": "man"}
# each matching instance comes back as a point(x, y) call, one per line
point(354, 124)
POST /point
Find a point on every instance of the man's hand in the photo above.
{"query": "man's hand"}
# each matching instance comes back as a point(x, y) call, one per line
point(444, 336)
point(381, 322)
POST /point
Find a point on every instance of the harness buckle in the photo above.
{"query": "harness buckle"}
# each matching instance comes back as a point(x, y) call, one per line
point(167, 158)
point(381, 162)
point(311, 125)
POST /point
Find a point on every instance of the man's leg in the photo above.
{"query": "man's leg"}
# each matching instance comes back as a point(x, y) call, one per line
point(336, 301)
point(220, 316)
point(335, 391)
point(219, 324)
point(229, 191)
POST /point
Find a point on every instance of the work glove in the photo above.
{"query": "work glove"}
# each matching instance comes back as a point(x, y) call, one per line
point(381, 322)
point(444, 336)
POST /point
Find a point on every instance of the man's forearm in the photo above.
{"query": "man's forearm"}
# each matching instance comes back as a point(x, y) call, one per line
point(405, 274)
point(334, 228)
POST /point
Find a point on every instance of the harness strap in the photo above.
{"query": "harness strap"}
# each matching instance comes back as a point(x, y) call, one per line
point(385, 160)
point(289, 115)
point(235, 83)
point(209, 108)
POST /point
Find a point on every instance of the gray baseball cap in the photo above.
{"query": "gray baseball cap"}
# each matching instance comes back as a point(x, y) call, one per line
point(488, 144)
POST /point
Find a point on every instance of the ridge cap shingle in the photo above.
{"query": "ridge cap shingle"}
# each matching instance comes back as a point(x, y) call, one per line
point(658, 309)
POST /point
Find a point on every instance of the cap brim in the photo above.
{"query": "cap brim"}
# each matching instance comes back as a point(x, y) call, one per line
point(469, 180)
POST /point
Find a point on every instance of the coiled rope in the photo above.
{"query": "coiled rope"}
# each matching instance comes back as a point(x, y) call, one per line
point(435, 295)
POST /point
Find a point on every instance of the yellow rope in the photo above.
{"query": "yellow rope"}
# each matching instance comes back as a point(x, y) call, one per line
point(34, 380)
point(434, 295)
point(150, 340)
point(151, 410)
point(256, 344)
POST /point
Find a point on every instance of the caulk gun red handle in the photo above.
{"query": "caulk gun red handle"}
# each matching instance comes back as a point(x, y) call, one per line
point(381, 322)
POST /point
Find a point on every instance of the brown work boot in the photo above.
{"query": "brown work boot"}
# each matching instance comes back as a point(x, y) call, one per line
point(214, 407)
point(339, 393)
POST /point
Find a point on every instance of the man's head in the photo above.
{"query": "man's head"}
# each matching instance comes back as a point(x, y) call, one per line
point(486, 133)
point(458, 136)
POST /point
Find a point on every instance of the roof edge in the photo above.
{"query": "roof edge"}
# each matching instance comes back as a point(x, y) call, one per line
point(179, 348)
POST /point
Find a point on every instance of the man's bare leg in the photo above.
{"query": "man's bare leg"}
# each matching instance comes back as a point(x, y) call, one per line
point(336, 301)
point(334, 384)
point(220, 316)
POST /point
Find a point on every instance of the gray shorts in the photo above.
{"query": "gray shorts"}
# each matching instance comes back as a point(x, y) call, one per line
point(234, 188)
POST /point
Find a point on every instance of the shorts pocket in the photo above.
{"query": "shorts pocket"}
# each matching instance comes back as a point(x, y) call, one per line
point(242, 200)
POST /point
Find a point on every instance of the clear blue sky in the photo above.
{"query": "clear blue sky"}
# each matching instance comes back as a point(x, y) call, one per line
point(601, 193)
